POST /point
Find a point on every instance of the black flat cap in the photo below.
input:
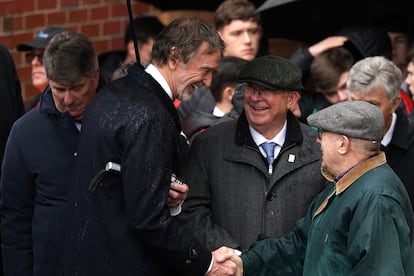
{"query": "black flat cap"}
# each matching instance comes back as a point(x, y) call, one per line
point(272, 72)
point(356, 119)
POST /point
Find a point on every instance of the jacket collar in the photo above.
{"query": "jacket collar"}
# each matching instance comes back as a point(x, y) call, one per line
point(47, 105)
point(350, 178)
point(402, 127)
point(355, 172)
point(139, 75)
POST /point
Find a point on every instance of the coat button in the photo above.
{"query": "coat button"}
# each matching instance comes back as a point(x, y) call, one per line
point(193, 252)
point(188, 262)
point(270, 197)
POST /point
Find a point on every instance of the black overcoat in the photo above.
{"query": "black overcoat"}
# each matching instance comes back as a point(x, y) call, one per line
point(120, 224)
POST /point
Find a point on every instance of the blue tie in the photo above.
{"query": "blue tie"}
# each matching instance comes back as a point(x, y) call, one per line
point(269, 148)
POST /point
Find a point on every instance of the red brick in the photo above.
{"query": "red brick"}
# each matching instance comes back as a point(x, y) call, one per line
point(37, 20)
point(6, 41)
point(140, 7)
point(17, 23)
point(117, 43)
point(88, 2)
point(119, 10)
point(101, 46)
point(91, 30)
point(69, 3)
point(56, 18)
point(78, 15)
point(7, 7)
point(47, 4)
point(100, 13)
point(27, 36)
point(24, 6)
point(113, 28)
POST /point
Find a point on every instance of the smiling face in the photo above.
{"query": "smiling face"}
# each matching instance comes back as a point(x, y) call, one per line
point(241, 38)
point(74, 98)
point(266, 110)
point(197, 72)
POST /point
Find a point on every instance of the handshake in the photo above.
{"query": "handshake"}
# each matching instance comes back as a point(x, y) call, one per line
point(226, 261)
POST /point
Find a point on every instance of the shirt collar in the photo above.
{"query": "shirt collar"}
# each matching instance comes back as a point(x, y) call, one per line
point(388, 135)
point(156, 74)
point(279, 139)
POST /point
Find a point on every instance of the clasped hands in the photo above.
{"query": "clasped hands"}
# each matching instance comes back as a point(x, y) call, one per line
point(226, 262)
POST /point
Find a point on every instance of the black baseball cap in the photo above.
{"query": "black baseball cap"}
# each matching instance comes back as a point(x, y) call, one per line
point(41, 39)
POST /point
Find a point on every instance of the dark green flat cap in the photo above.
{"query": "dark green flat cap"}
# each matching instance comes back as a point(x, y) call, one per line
point(272, 72)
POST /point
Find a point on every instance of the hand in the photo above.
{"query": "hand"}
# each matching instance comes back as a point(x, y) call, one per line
point(177, 194)
point(326, 44)
point(226, 262)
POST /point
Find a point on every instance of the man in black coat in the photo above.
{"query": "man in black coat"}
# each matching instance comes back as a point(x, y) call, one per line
point(11, 103)
point(127, 154)
point(377, 80)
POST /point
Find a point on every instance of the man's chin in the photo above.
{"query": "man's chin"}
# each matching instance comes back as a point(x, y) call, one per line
point(76, 115)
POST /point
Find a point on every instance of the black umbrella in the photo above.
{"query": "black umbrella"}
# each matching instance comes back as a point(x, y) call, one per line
point(273, 3)
point(312, 20)
point(303, 20)
point(207, 5)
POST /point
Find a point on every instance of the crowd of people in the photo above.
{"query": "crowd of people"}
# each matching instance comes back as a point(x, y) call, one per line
point(209, 156)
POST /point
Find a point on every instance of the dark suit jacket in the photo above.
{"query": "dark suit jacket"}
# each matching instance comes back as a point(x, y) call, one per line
point(121, 221)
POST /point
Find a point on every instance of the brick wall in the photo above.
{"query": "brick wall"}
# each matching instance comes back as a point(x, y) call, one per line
point(104, 21)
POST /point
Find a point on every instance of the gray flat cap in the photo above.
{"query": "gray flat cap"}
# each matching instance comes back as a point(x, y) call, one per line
point(356, 119)
point(272, 72)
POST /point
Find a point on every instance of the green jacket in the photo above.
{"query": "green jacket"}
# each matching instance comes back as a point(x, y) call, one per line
point(361, 225)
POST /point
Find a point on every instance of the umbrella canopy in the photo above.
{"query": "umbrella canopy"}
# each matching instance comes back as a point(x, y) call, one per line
point(208, 5)
point(273, 3)
point(304, 20)
point(312, 20)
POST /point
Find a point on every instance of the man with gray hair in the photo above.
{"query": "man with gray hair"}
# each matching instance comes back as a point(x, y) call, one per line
point(361, 224)
point(262, 169)
point(377, 80)
point(128, 151)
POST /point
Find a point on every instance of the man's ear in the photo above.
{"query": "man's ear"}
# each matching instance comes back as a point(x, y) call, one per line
point(344, 144)
point(396, 103)
point(173, 58)
point(294, 97)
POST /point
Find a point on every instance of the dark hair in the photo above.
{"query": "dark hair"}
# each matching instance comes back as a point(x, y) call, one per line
point(231, 10)
point(146, 27)
point(68, 57)
point(182, 38)
point(227, 74)
point(327, 68)
point(410, 56)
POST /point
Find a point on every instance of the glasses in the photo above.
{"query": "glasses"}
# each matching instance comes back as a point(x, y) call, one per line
point(32, 54)
point(261, 91)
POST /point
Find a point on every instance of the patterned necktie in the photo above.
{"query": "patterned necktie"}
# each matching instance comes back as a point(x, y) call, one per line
point(269, 148)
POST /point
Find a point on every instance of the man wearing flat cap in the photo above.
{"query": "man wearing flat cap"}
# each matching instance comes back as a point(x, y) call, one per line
point(362, 223)
point(253, 177)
